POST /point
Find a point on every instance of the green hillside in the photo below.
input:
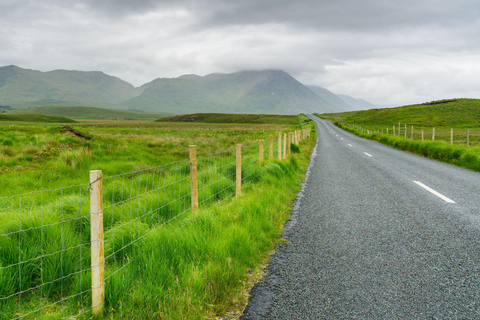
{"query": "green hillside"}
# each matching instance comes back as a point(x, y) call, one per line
point(90, 113)
point(21, 88)
point(454, 113)
point(34, 118)
point(233, 118)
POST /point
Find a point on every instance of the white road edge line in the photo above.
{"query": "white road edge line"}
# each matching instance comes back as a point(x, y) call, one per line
point(368, 154)
point(441, 196)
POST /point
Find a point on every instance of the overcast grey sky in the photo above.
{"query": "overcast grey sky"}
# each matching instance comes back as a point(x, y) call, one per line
point(390, 52)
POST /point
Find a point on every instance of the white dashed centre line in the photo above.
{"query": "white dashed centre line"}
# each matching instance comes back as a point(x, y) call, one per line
point(441, 196)
point(350, 145)
point(341, 138)
point(368, 154)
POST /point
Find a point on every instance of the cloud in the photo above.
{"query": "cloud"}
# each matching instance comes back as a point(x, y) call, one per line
point(387, 52)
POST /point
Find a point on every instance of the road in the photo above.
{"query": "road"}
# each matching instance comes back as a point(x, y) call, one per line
point(377, 233)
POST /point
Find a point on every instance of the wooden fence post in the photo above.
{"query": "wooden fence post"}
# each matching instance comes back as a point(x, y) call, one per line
point(405, 131)
point(451, 136)
point(96, 239)
point(393, 129)
point(422, 135)
point(193, 177)
point(260, 153)
point(412, 134)
point(289, 143)
point(239, 172)
point(433, 134)
point(468, 137)
point(270, 149)
point(279, 146)
point(284, 146)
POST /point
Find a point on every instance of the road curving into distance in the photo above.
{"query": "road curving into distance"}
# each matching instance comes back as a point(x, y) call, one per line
point(377, 233)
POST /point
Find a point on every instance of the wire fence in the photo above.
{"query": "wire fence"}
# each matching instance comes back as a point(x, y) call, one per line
point(454, 136)
point(47, 262)
point(44, 248)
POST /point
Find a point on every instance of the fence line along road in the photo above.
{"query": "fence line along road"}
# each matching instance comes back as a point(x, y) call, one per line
point(454, 136)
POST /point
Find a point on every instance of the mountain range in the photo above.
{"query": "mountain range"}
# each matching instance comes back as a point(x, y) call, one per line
point(268, 91)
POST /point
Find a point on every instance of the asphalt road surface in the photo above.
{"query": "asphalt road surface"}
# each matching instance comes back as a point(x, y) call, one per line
point(377, 233)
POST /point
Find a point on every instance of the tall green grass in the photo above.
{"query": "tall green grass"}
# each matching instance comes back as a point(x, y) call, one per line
point(161, 261)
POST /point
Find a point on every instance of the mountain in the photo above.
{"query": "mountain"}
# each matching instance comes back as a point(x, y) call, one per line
point(357, 104)
point(22, 88)
point(332, 99)
point(269, 91)
point(266, 92)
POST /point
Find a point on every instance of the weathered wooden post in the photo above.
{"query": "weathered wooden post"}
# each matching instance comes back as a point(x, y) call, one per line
point(412, 134)
point(284, 146)
point(260, 153)
point(193, 177)
point(433, 134)
point(289, 143)
point(270, 149)
point(468, 137)
point(96, 242)
point(451, 136)
point(239, 171)
point(422, 136)
point(279, 146)
point(393, 129)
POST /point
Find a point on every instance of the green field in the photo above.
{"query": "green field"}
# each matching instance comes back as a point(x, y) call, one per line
point(161, 261)
point(455, 113)
point(229, 118)
point(88, 113)
point(34, 118)
point(445, 130)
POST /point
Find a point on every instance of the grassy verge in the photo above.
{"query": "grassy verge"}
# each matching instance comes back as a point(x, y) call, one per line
point(199, 269)
point(458, 155)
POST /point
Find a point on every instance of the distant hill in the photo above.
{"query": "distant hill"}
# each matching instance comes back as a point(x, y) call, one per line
point(266, 92)
point(233, 118)
point(269, 91)
point(357, 104)
point(88, 113)
point(454, 113)
point(34, 118)
point(22, 88)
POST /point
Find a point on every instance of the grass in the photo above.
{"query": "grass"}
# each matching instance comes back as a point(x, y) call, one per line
point(195, 266)
point(231, 118)
point(34, 118)
point(456, 113)
point(88, 113)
